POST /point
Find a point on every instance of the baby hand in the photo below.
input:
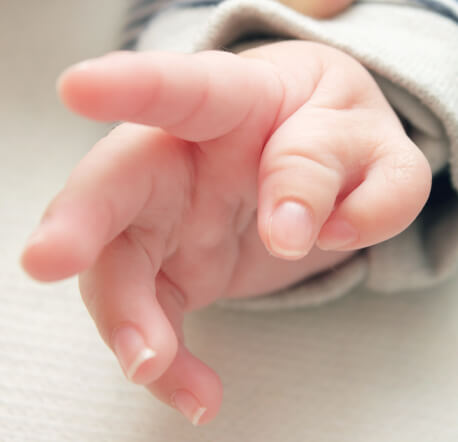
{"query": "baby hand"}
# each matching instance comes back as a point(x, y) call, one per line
point(224, 161)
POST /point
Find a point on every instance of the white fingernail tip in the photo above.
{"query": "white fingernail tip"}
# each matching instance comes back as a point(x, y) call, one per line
point(142, 356)
point(197, 415)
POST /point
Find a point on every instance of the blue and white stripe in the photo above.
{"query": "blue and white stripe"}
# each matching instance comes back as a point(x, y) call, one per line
point(446, 8)
point(141, 12)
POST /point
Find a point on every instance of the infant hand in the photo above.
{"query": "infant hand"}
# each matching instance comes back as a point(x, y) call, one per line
point(224, 161)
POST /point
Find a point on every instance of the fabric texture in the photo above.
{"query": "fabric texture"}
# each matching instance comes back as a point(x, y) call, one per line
point(411, 48)
point(143, 11)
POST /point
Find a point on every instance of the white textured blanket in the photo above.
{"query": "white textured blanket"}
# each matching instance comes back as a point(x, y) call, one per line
point(364, 368)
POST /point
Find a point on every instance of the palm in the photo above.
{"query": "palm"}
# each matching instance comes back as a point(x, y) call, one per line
point(213, 248)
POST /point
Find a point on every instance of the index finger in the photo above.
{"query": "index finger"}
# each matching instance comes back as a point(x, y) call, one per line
point(196, 97)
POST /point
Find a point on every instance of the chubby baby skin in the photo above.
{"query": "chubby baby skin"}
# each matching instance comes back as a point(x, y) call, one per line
point(231, 176)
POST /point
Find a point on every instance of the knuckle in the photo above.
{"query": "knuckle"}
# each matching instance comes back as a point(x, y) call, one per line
point(407, 165)
point(408, 172)
point(322, 165)
point(402, 167)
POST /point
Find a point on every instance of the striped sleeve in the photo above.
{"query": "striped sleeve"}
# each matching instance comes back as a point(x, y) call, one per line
point(445, 8)
point(142, 12)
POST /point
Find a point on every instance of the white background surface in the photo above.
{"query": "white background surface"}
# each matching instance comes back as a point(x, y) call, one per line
point(365, 368)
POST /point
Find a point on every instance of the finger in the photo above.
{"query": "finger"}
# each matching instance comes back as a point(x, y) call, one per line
point(193, 96)
point(299, 180)
point(395, 189)
point(120, 294)
point(334, 186)
point(188, 385)
point(318, 8)
point(191, 387)
point(104, 194)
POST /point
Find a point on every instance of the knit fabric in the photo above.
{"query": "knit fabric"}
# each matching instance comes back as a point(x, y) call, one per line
point(143, 11)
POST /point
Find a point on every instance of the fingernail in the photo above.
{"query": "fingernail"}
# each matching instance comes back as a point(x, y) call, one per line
point(85, 65)
point(82, 66)
point(36, 237)
point(96, 62)
point(131, 350)
point(188, 406)
point(337, 234)
point(291, 230)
